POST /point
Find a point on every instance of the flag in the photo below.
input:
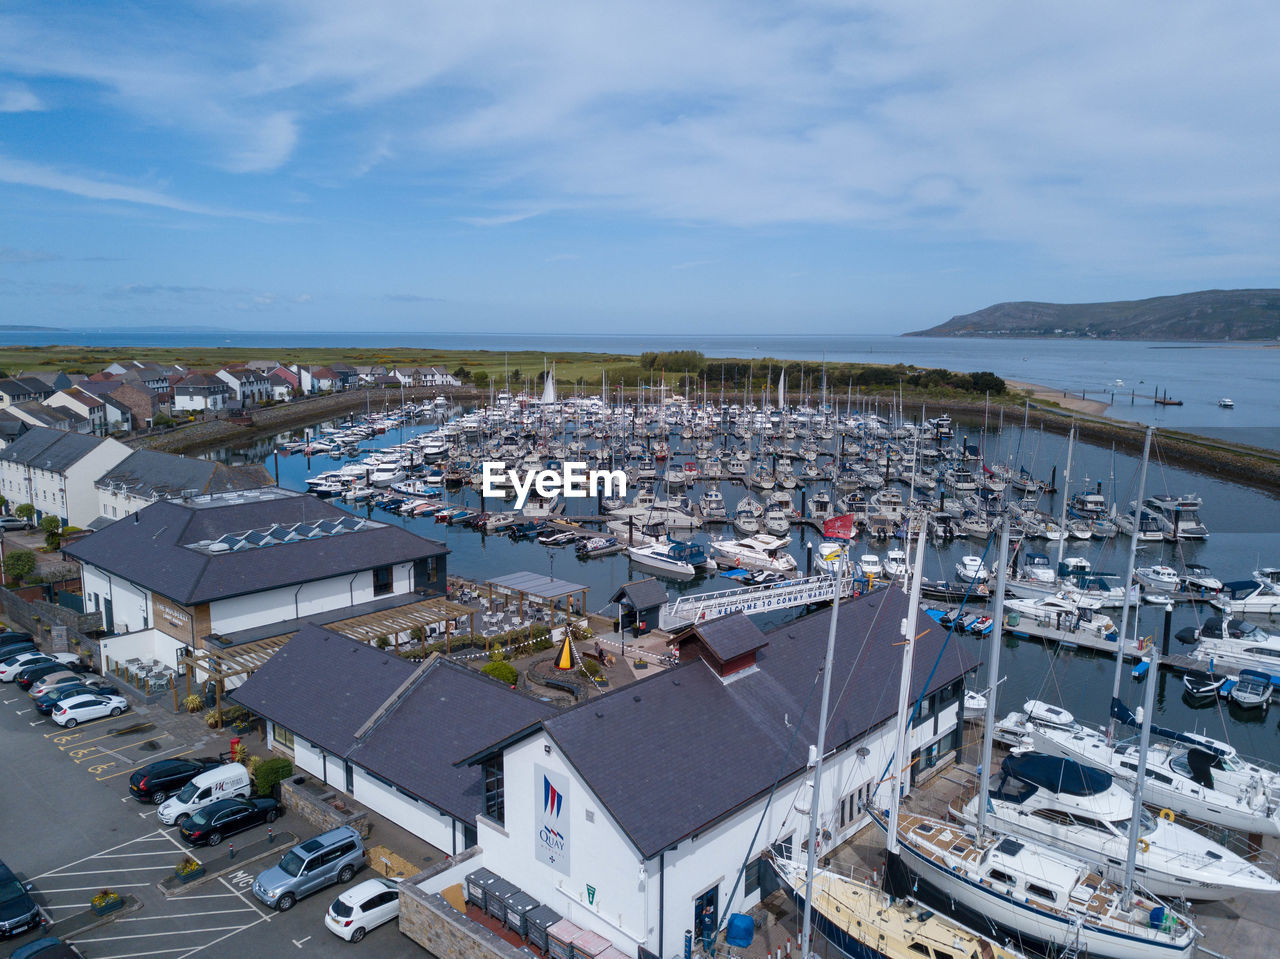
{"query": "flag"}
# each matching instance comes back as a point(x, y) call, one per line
point(838, 527)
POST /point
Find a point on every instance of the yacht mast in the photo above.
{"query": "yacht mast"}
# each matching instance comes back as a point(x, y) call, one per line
point(1066, 485)
point(841, 554)
point(993, 673)
point(1144, 740)
point(904, 689)
point(1128, 578)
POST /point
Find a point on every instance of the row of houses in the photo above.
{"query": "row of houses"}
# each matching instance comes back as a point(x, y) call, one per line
point(130, 394)
point(91, 481)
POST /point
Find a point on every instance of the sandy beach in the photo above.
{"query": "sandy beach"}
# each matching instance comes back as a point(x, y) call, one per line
point(1066, 400)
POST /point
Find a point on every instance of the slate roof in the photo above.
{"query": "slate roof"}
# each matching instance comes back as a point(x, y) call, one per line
point(731, 636)
point(49, 449)
point(153, 547)
point(717, 745)
point(323, 686)
point(440, 715)
point(641, 593)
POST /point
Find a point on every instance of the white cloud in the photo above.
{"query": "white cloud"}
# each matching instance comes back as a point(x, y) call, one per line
point(19, 99)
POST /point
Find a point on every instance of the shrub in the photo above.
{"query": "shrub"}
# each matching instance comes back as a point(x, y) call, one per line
point(382, 642)
point(211, 719)
point(193, 703)
point(271, 772)
point(502, 672)
point(240, 754)
point(541, 631)
point(104, 898)
point(187, 866)
point(19, 564)
point(591, 667)
point(24, 511)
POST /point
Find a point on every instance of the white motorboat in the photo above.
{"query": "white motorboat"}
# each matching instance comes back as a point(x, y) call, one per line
point(670, 557)
point(820, 507)
point(871, 566)
point(1252, 689)
point(975, 704)
point(385, 474)
point(755, 552)
point(971, 569)
point(1237, 645)
point(775, 520)
point(1248, 598)
point(1063, 618)
point(1163, 578)
point(747, 515)
point(1227, 403)
point(1179, 516)
point(1190, 776)
point(712, 504)
point(1084, 812)
point(895, 563)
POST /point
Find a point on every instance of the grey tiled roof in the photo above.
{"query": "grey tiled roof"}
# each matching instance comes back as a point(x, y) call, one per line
point(147, 472)
point(151, 548)
point(323, 686)
point(641, 593)
point(443, 713)
point(48, 449)
point(734, 738)
point(731, 636)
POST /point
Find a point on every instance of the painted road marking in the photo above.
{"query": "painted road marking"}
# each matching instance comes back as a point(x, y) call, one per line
point(148, 935)
point(152, 835)
point(299, 942)
point(181, 915)
point(153, 759)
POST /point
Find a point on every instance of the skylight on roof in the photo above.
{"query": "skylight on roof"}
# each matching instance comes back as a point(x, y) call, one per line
point(276, 534)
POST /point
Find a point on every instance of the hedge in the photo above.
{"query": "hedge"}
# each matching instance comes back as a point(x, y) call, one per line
point(271, 772)
point(503, 672)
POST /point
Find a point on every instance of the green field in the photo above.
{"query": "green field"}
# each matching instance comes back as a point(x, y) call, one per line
point(525, 367)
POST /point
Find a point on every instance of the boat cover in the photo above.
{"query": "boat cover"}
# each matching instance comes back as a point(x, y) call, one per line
point(1201, 764)
point(1122, 713)
point(1056, 774)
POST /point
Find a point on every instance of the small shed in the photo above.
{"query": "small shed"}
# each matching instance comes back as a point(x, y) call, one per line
point(639, 603)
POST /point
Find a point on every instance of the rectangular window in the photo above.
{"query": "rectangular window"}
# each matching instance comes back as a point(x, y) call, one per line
point(382, 579)
point(282, 737)
point(752, 878)
point(495, 806)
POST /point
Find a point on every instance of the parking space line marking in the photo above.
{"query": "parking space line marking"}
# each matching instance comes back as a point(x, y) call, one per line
point(126, 855)
point(153, 759)
point(151, 835)
point(182, 915)
point(153, 952)
point(118, 885)
point(62, 731)
point(206, 895)
point(85, 742)
point(104, 872)
point(252, 904)
point(220, 938)
point(180, 847)
point(148, 935)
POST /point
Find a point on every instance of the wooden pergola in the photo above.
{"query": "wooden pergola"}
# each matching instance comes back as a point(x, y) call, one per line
point(542, 590)
point(218, 663)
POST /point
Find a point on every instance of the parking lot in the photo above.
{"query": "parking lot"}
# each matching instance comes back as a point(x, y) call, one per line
point(71, 829)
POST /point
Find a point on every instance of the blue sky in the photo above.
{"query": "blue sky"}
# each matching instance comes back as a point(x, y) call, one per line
point(721, 167)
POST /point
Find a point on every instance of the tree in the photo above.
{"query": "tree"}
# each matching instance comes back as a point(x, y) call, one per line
point(25, 511)
point(19, 564)
point(52, 527)
point(462, 373)
point(481, 379)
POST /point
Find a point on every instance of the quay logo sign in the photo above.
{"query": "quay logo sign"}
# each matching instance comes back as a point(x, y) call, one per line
point(574, 481)
point(551, 845)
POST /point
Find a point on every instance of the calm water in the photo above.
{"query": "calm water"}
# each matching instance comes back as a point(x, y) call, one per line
point(1198, 374)
point(1245, 534)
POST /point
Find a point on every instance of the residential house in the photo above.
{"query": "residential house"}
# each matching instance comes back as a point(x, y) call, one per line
point(365, 736)
point(91, 407)
point(248, 386)
point(130, 403)
point(157, 377)
point(438, 376)
point(24, 390)
point(55, 471)
point(55, 378)
point(146, 476)
point(317, 379)
point(178, 571)
point(199, 392)
point(346, 374)
point(53, 417)
point(11, 427)
point(284, 384)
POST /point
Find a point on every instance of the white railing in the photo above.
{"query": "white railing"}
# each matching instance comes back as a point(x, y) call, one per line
point(698, 607)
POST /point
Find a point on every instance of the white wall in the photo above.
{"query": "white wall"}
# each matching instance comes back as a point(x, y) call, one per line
point(292, 602)
point(147, 645)
point(626, 906)
point(82, 475)
point(423, 820)
point(131, 606)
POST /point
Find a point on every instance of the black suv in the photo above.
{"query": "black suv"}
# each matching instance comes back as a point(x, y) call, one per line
point(18, 911)
point(160, 780)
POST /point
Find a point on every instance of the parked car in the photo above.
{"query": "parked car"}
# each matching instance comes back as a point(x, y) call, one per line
point(14, 522)
point(331, 857)
point(18, 911)
point(95, 685)
point(79, 709)
point(30, 674)
point(229, 781)
point(64, 677)
point(47, 948)
point(157, 781)
point(14, 643)
point(364, 906)
point(226, 817)
point(14, 664)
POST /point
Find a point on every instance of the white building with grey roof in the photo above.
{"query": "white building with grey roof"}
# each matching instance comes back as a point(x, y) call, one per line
point(55, 471)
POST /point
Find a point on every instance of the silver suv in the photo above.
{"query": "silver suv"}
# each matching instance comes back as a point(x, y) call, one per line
point(334, 856)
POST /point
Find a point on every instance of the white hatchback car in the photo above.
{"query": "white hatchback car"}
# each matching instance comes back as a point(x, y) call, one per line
point(15, 664)
point(79, 709)
point(363, 907)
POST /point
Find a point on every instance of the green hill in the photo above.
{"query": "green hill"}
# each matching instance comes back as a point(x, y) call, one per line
point(1207, 315)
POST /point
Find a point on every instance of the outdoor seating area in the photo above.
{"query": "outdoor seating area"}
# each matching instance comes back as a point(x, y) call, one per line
point(147, 676)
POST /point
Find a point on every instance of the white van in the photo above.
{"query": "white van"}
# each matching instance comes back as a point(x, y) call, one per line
point(223, 782)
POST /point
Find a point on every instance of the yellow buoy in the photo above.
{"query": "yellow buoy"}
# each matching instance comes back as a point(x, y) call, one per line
point(1143, 845)
point(1166, 815)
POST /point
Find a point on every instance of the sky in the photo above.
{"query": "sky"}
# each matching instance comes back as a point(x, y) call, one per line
point(694, 166)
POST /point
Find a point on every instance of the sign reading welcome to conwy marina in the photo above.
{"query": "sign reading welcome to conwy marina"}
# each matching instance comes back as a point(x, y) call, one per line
point(551, 819)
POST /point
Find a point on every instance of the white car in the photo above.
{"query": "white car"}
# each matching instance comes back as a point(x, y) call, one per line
point(10, 668)
point(363, 907)
point(79, 709)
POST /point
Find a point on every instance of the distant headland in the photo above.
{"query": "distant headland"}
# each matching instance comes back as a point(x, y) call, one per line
point(1210, 315)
